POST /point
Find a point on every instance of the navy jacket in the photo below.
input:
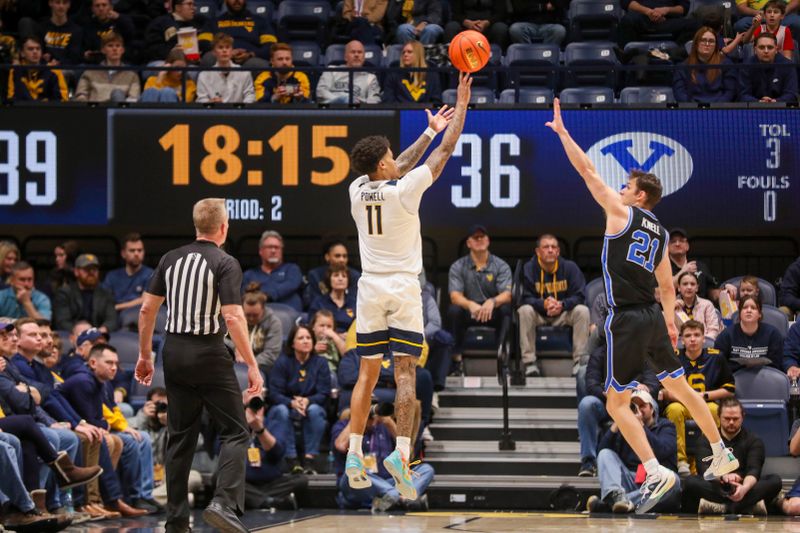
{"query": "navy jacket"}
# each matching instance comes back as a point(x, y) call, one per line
point(347, 373)
point(791, 347)
point(86, 394)
point(398, 88)
point(315, 286)
point(662, 438)
point(722, 89)
point(71, 364)
point(790, 287)
point(283, 285)
point(53, 402)
point(270, 468)
point(289, 378)
point(778, 82)
point(596, 376)
point(21, 403)
point(342, 316)
point(566, 284)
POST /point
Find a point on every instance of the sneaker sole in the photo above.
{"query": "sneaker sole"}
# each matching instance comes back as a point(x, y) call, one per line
point(622, 507)
point(409, 493)
point(652, 502)
point(213, 519)
point(727, 469)
point(357, 480)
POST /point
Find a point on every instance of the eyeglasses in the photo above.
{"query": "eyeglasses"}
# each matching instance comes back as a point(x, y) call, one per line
point(707, 41)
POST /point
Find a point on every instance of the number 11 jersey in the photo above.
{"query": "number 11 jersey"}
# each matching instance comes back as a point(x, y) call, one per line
point(386, 213)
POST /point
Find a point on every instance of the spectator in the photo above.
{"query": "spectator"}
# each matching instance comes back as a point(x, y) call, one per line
point(63, 38)
point(20, 298)
point(334, 253)
point(748, 9)
point(791, 352)
point(104, 21)
point(708, 374)
point(283, 86)
point(749, 342)
point(748, 286)
point(775, 84)
point(225, 86)
point(364, 19)
point(85, 299)
point(265, 483)
point(330, 344)
point(21, 513)
point(252, 35)
point(774, 13)
point(480, 288)
point(790, 504)
point(168, 86)
point(403, 85)
point(280, 281)
point(128, 283)
point(62, 274)
point(678, 250)
point(705, 85)
point(161, 35)
point(419, 20)
point(645, 17)
point(9, 255)
point(84, 337)
point(538, 20)
point(789, 295)
point(265, 328)
point(691, 306)
point(378, 442)
point(35, 84)
point(338, 300)
point(334, 85)
point(744, 491)
point(300, 387)
point(109, 85)
point(617, 463)
point(552, 294)
point(440, 342)
point(484, 16)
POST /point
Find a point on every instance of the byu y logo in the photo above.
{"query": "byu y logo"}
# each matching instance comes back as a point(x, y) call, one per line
point(617, 155)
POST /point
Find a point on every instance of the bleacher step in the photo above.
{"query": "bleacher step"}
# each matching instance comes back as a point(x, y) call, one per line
point(514, 414)
point(488, 430)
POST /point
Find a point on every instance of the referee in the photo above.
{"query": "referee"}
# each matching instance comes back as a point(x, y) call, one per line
point(200, 282)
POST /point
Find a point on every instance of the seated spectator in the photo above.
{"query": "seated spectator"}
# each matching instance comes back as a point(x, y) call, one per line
point(21, 513)
point(377, 444)
point(161, 35)
point(678, 250)
point(299, 388)
point(538, 20)
point(789, 294)
point(338, 300)
point(645, 17)
point(420, 20)
point(790, 504)
point(109, 85)
point(403, 85)
point(334, 84)
point(168, 86)
point(35, 84)
point(690, 305)
point(104, 21)
point(264, 327)
point(280, 282)
point(85, 299)
point(266, 485)
point(440, 342)
point(749, 9)
point(708, 374)
point(62, 274)
point(282, 86)
point(20, 298)
point(252, 35)
point(83, 337)
point(791, 352)
point(330, 344)
point(705, 85)
point(225, 86)
point(617, 463)
point(774, 13)
point(9, 256)
point(749, 342)
point(748, 286)
point(745, 491)
point(334, 253)
point(127, 284)
point(364, 19)
point(480, 15)
point(775, 84)
point(552, 294)
point(480, 288)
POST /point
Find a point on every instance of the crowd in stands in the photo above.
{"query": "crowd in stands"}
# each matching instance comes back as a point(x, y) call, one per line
point(240, 52)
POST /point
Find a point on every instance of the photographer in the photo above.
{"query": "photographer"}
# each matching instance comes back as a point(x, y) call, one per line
point(265, 484)
point(378, 442)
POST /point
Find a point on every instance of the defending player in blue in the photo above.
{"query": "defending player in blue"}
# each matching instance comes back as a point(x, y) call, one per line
point(384, 203)
point(634, 260)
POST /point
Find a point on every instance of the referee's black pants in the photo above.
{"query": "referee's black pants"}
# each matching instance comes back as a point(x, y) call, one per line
point(198, 372)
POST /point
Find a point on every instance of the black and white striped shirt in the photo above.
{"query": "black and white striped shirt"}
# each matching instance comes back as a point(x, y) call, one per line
point(197, 280)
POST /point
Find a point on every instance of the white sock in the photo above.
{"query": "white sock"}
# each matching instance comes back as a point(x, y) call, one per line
point(404, 445)
point(718, 448)
point(355, 444)
point(651, 467)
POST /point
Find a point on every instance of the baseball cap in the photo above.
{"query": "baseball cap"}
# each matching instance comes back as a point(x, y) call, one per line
point(642, 395)
point(91, 335)
point(678, 231)
point(477, 228)
point(86, 260)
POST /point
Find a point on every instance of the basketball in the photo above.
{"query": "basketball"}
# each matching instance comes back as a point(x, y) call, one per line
point(469, 51)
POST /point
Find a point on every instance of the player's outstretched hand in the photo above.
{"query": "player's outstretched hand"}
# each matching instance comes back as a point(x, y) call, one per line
point(557, 125)
point(464, 88)
point(440, 120)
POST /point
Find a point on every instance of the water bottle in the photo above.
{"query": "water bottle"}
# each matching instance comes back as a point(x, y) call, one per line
point(67, 501)
point(331, 462)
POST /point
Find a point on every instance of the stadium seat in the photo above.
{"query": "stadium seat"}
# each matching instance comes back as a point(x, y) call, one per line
point(587, 95)
point(480, 351)
point(593, 20)
point(334, 55)
point(393, 53)
point(262, 8)
point(774, 317)
point(305, 54)
point(532, 65)
point(554, 350)
point(599, 57)
point(592, 289)
point(303, 20)
point(766, 289)
point(480, 95)
point(127, 345)
point(486, 77)
point(207, 8)
point(373, 55)
point(764, 393)
point(646, 95)
point(527, 95)
point(287, 314)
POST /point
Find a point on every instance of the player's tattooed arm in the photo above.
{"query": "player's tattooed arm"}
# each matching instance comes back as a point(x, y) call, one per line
point(439, 157)
point(411, 155)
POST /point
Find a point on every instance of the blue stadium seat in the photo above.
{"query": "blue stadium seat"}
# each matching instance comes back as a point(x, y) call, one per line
point(393, 53)
point(646, 95)
point(127, 345)
point(287, 314)
point(480, 95)
point(262, 8)
point(303, 20)
point(334, 55)
point(587, 95)
point(543, 58)
point(670, 47)
point(479, 350)
point(774, 317)
point(764, 393)
point(600, 57)
point(527, 95)
point(207, 8)
point(766, 289)
point(486, 77)
point(373, 55)
point(593, 20)
point(305, 54)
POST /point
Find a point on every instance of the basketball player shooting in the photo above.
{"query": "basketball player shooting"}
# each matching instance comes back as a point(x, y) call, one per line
point(634, 258)
point(385, 206)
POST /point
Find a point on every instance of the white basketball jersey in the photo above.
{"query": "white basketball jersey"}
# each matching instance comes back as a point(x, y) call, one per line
point(386, 213)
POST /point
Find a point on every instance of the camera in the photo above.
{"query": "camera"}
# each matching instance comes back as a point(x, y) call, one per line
point(161, 407)
point(381, 409)
point(255, 403)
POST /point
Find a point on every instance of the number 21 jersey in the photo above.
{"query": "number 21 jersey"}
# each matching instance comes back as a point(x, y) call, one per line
point(386, 213)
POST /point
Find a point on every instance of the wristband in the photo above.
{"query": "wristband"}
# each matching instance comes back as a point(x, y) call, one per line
point(259, 431)
point(705, 396)
point(429, 132)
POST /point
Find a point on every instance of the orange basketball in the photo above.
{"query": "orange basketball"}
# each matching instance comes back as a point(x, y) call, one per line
point(469, 51)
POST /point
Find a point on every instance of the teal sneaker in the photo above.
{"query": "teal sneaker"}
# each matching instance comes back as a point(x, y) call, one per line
point(400, 471)
point(356, 475)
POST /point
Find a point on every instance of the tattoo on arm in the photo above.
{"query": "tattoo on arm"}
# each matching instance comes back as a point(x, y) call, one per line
point(439, 157)
point(411, 156)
